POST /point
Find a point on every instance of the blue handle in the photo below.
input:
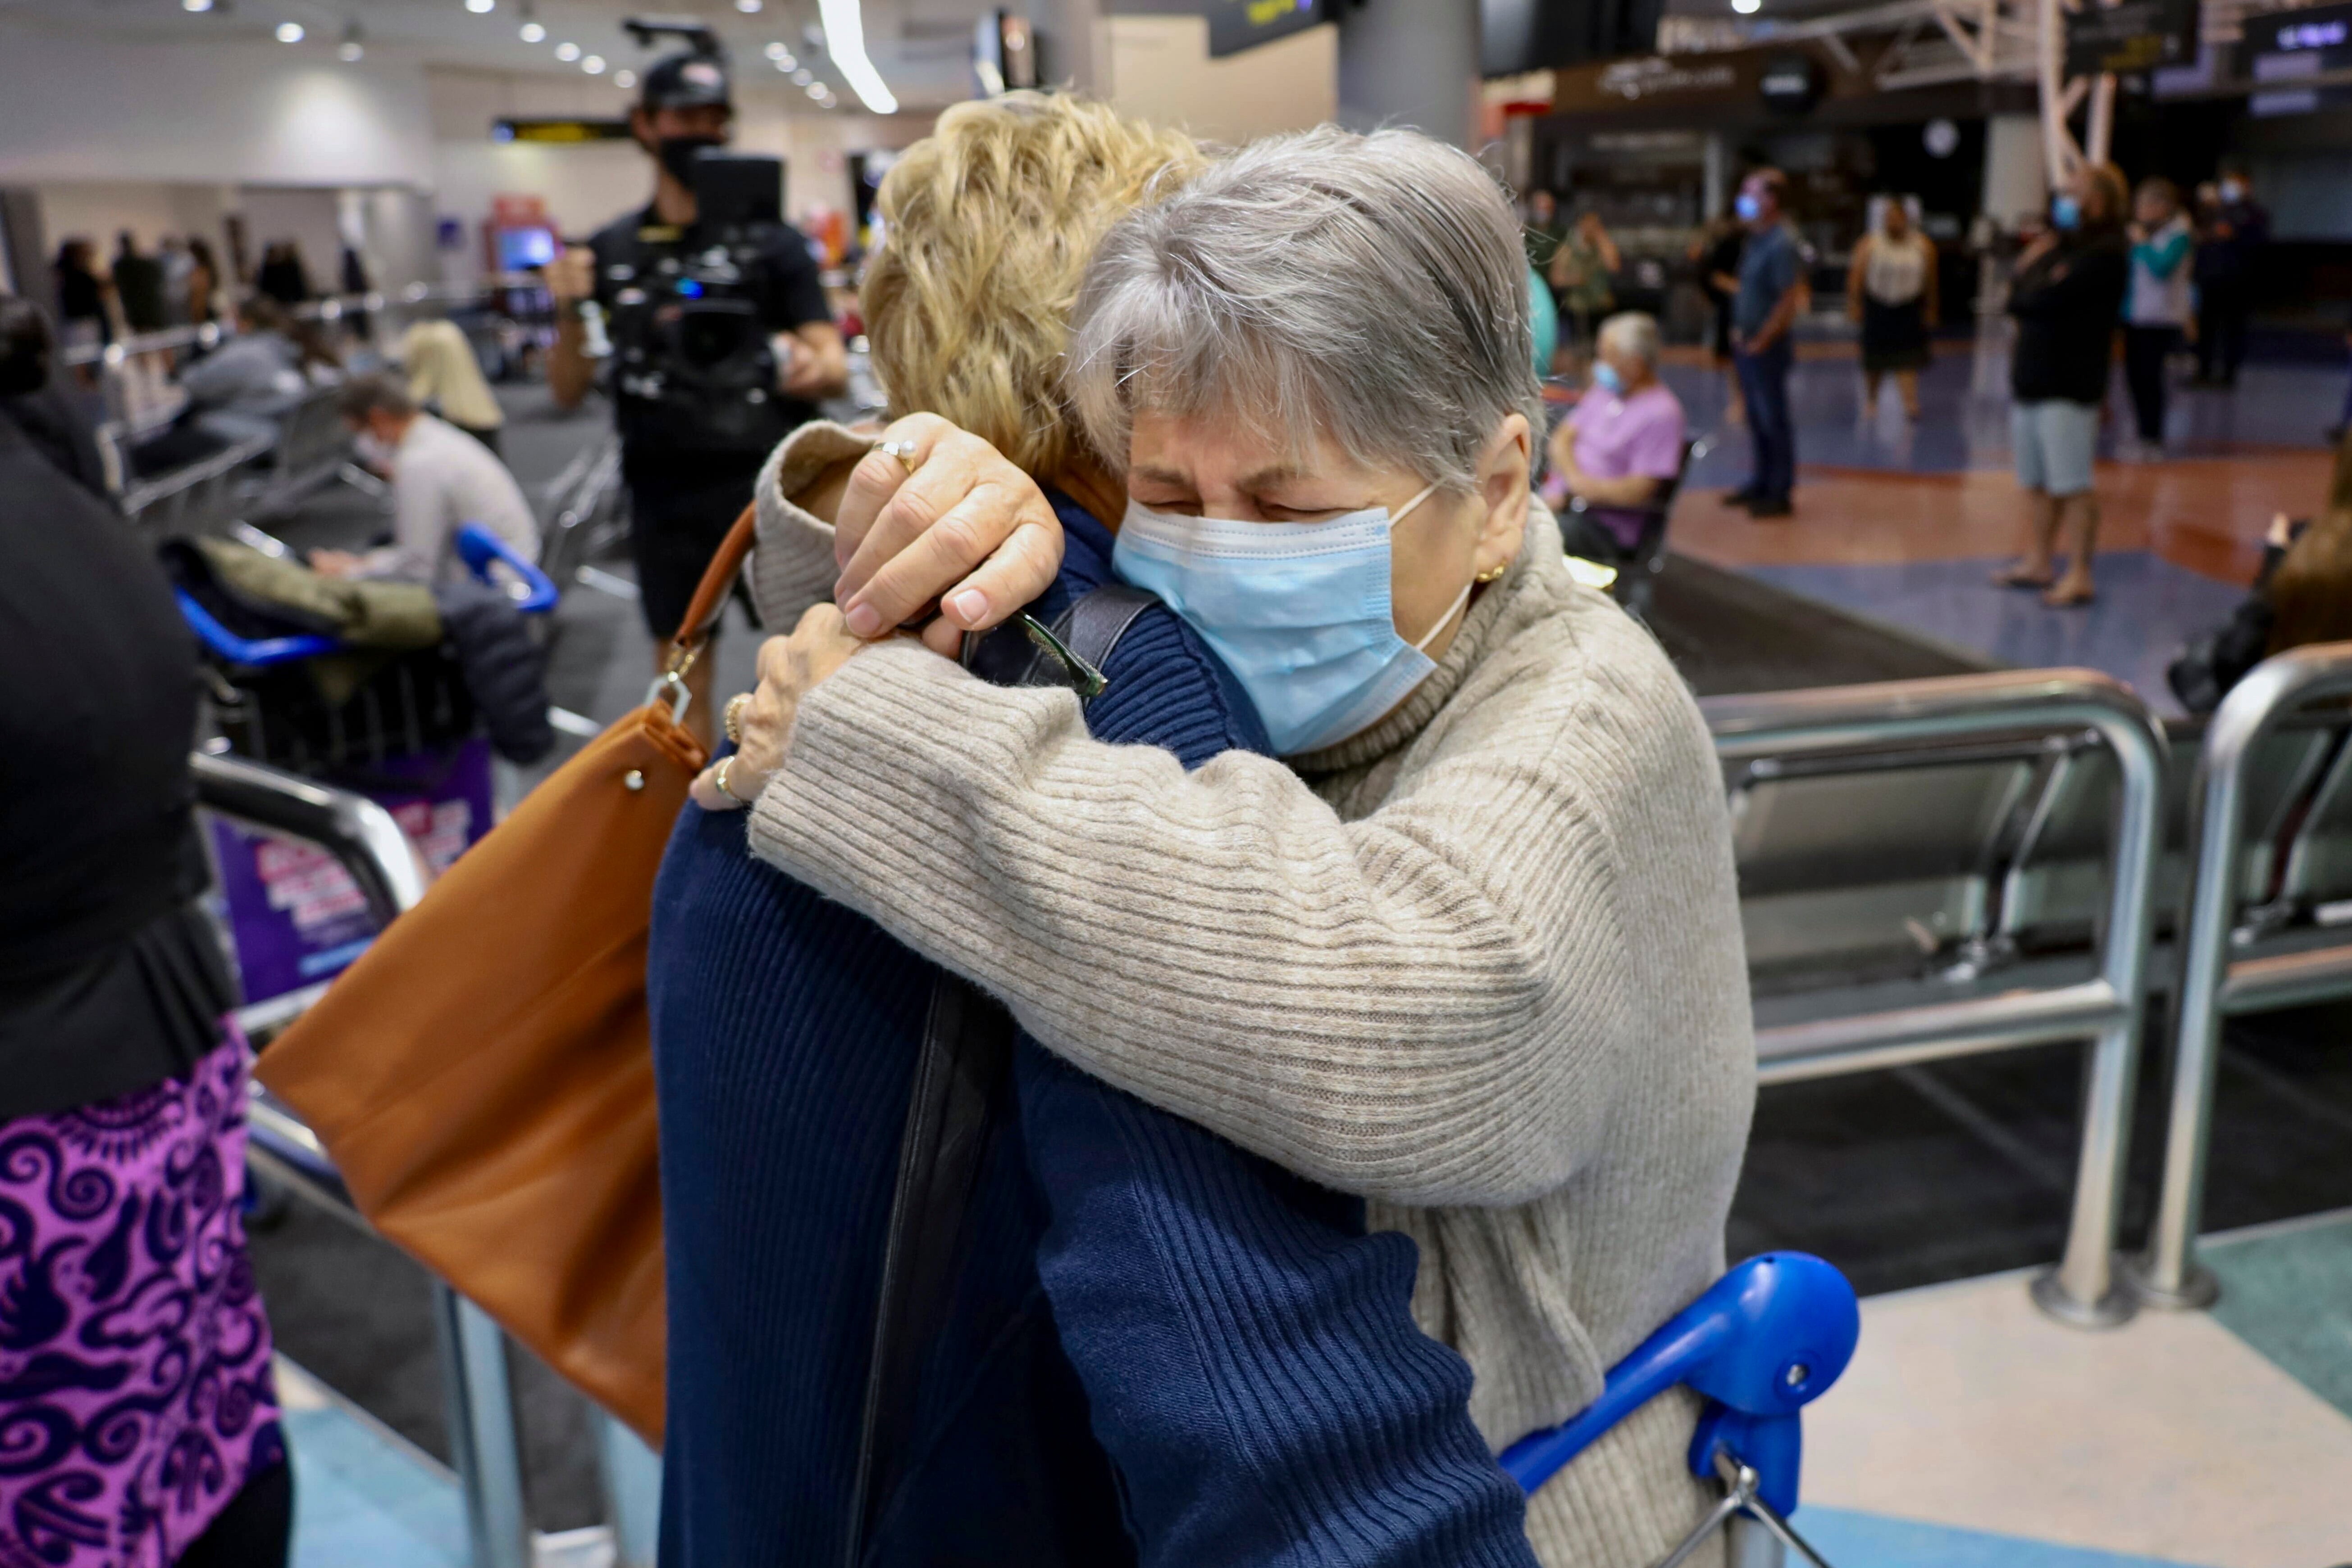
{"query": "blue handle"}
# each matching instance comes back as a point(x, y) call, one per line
point(477, 547)
point(1765, 1341)
point(250, 651)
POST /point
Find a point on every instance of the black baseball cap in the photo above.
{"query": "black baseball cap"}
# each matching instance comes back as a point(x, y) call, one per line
point(690, 79)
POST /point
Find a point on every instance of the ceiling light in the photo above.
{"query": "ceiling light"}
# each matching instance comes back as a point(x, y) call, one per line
point(845, 39)
point(747, 6)
point(776, 51)
point(625, 78)
point(594, 65)
point(817, 90)
point(289, 32)
point(532, 33)
point(567, 51)
point(353, 47)
point(803, 77)
point(1748, 7)
point(195, 5)
point(481, 8)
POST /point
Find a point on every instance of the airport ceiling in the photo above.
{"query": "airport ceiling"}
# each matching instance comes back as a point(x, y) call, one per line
point(922, 47)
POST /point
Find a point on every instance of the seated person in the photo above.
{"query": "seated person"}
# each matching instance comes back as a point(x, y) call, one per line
point(441, 479)
point(1161, 1348)
point(1622, 446)
point(1468, 944)
point(2302, 593)
point(445, 378)
point(244, 388)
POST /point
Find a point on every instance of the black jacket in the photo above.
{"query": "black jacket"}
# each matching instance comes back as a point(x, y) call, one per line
point(505, 668)
point(2067, 305)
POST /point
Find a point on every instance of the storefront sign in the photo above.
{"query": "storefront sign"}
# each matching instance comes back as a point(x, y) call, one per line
point(1791, 84)
point(1650, 78)
point(2131, 36)
point(1238, 25)
point(2314, 29)
point(560, 131)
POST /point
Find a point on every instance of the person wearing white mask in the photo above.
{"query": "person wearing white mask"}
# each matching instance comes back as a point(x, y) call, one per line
point(1471, 948)
point(442, 478)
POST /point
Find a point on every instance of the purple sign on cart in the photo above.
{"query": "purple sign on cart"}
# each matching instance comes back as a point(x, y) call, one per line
point(297, 916)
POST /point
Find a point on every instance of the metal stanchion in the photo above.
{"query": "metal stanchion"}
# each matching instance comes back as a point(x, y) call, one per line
point(2083, 1289)
point(2167, 1274)
point(483, 1443)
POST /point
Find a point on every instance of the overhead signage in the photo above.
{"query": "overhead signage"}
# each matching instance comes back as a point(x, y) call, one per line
point(1238, 25)
point(1791, 83)
point(2131, 36)
point(1653, 77)
point(2314, 29)
point(561, 130)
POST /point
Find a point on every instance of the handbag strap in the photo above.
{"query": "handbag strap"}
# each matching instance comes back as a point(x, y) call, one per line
point(710, 594)
point(967, 1048)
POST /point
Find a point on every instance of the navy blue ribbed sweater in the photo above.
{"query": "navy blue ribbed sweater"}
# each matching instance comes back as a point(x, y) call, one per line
point(1160, 1349)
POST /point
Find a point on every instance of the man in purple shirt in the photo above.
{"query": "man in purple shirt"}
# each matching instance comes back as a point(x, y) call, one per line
point(1616, 454)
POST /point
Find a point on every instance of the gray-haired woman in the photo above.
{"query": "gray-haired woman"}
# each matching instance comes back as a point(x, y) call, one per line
point(1472, 949)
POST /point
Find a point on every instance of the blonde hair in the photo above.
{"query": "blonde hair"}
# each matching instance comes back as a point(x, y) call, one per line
point(988, 225)
point(2311, 592)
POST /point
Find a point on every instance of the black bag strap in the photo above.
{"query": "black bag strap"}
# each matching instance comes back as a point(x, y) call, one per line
point(966, 1051)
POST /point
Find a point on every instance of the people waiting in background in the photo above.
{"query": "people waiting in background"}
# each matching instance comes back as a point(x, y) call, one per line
point(1715, 253)
point(2156, 310)
point(445, 378)
point(138, 285)
point(1890, 292)
point(1621, 448)
point(1581, 271)
point(282, 275)
point(2069, 286)
point(242, 390)
point(441, 479)
point(37, 406)
point(1763, 314)
point(1543, 231)
point(2227, 249)
point(2301, 595)
point(84, 294)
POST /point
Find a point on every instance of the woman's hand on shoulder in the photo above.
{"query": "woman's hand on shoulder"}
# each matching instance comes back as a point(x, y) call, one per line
point(952, 523)
point(790, 669)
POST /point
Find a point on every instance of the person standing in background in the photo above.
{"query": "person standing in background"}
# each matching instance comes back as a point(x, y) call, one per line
point(2226, 255)
point(282, 275)
point(1581, 268)
point(687, 476)
point(2069, 287)
point(2156, 310)
point(139, 284)
point(1763, 315)
point(1542, 234)
point(139, 1395)
point(204, 283)
point(1715, 253)
point(84, 295)
point(1890, 292)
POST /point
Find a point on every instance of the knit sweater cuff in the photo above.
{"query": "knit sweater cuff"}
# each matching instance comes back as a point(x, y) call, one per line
point(793, 566)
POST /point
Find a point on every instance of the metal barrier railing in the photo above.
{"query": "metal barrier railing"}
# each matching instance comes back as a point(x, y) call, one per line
point(2084, 1288)
point(2212, 986)
point(361, 836)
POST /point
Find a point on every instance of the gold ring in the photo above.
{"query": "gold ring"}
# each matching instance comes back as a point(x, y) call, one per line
point(902, 450)
point(718, 779)
point(731, 716)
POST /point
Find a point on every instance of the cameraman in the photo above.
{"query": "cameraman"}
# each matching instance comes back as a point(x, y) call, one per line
point(688, 459)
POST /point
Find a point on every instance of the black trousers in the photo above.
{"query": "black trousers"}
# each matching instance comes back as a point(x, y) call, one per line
point(2221, 311)
point(254, 1530)
point(2145, 352)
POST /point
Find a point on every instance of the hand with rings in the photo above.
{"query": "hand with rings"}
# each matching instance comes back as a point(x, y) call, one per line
point(761, 722)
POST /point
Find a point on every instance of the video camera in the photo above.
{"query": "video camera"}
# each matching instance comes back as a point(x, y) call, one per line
point(687, 332)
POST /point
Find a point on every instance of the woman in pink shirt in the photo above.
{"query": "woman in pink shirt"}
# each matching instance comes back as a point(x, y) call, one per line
point(1615, 454)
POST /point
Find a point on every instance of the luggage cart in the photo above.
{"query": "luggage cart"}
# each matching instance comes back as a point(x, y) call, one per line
point(407, 737)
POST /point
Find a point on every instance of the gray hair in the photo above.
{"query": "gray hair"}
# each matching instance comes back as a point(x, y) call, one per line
point(1371, 287)
point(363, 394)
point(1633, 333)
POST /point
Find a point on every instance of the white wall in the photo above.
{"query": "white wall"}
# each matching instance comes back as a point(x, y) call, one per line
point(1157, 68)
point(83, 110)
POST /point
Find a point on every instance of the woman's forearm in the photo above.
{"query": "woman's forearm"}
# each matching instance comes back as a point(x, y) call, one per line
point(1363, 1003)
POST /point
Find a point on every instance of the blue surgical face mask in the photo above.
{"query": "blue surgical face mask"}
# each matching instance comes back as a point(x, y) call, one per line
point(2067, 213)
point(1298, 611)
point(1748, 208)
point(1605, 376)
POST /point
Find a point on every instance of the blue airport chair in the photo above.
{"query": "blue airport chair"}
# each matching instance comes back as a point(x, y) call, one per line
point(477, 547)
point(1765, 1341)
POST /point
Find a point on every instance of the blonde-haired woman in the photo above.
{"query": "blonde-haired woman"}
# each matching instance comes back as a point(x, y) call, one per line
point(445, 378)
point(1230, 1371)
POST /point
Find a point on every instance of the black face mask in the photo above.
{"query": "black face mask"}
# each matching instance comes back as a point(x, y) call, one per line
point(677, 154)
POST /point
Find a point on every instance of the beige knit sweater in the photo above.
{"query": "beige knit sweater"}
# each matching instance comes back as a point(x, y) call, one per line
point(1481, 963)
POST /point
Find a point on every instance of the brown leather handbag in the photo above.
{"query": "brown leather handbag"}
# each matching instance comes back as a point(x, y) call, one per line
point(483, 1075)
